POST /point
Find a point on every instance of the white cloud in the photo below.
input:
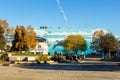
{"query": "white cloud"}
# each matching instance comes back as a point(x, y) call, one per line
point(61, 9)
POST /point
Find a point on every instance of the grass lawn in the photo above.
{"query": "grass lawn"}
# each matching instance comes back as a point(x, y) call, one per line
point(2, 52)
point(1, 60)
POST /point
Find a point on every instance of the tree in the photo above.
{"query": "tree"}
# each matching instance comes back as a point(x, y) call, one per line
point(2, 38)
point(108, 43)
point(95, 45)
point(24, 39)
point(7, 32)
point(98, 34)
point(3, 32)
point(10, 31)
point(5, 26)
point(4, 23)
point(119, 44)
point(20, 39)
point(32, 35)
point(75, 43)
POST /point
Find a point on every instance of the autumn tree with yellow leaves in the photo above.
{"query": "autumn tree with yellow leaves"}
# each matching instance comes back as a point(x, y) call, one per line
point(4, 24)
point(75, 43)
point(3, 31)
point(31, 35)
point(24, 39)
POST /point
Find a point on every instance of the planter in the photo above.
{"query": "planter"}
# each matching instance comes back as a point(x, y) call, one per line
point(42, 61)
point(50, 62)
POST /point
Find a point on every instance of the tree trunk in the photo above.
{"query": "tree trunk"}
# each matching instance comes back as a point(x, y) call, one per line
point(109, 54)
point(76, 52)
point(103, 54)
point(76, 57)
point(19, 47)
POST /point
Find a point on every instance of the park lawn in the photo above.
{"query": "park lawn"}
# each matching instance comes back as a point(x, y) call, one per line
point(2, 52)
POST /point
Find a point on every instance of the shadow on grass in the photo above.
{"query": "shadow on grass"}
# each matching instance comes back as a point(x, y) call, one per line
point(74, 67)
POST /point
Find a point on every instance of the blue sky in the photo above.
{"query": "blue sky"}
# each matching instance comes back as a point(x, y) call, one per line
point(83, 14)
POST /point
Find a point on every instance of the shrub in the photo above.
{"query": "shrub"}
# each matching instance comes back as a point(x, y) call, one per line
point(58, 57)
point(4, 57)
point(43, 57)
point(69, 57)
point(8, 48)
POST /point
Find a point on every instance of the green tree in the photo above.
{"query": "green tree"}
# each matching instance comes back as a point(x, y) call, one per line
point(75, 43)
point(108, 43)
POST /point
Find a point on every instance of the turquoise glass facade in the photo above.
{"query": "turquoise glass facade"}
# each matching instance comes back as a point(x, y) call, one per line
point(58, 34)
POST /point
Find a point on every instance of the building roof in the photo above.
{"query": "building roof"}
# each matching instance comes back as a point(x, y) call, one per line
point(41, 39)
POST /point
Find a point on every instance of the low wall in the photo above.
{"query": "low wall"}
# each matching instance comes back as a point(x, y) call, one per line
point(23, 58)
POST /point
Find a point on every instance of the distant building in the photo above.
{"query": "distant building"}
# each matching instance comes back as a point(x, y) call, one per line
point(41, 47)
point(53, 35)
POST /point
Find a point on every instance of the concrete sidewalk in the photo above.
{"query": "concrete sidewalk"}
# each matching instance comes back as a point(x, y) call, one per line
point(87, 70)
point(16, 73)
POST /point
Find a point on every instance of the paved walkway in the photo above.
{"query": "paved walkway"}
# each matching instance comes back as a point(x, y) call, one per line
point(82, 71)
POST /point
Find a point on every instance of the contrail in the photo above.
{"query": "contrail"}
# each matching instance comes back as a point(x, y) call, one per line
point(61, 9)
